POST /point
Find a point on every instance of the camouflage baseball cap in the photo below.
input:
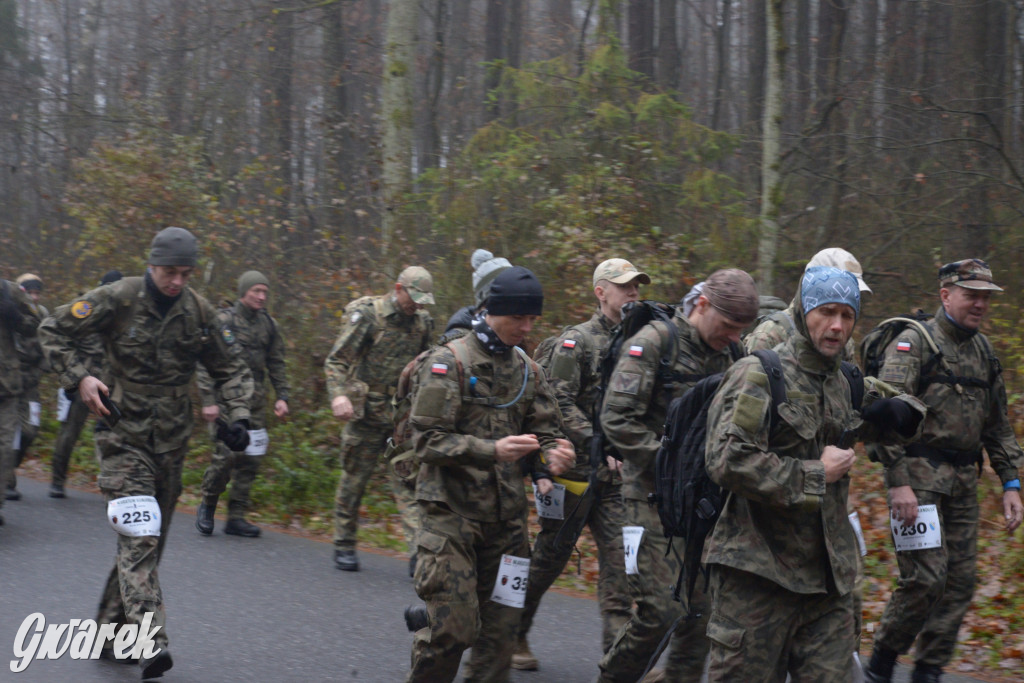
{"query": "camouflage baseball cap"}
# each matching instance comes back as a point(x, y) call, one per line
point(970, 273)
point(619, 271)
point(418, 283)
point(843, 260)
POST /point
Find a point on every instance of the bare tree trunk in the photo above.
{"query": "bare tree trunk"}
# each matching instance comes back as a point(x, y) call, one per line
point(723, 36)
point(668, 45)
point(396, 112)
point(494, 44)
point(771, 176)
point(756, 61)
point(641, 37)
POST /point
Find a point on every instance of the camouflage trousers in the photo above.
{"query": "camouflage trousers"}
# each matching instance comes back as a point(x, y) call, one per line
point(457, 564)
point(548, 560)
point(29, 432)
point(656, 611)
point(133, 586)
point(362, 444)
point(78, 413)
point(238, 468)
point(8, 428)
point(936, 585)
point(759, 632)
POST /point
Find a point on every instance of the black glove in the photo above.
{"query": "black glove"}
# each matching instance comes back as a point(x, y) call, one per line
point(235, 437)
point(892, 413)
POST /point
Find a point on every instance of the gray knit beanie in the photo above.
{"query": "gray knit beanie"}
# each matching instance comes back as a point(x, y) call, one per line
point(485, 267)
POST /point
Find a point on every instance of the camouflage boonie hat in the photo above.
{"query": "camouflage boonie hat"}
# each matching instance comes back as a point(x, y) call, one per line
point(418, 283)
point(619, 271)
point(970, 273)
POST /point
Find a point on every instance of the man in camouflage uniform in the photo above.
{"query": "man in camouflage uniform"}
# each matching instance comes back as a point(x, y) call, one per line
point(966, 400)
point(775, 328)
point(19, 317)
point(482, 409)
point(94, 358)
point(783, 554)
point(156, 330)
point(30, 356)
point(572, 364)
point(379, 335)
point(258, 339)
point(633, 418)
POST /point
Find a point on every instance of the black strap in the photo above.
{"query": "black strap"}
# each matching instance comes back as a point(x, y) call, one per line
point(952, 379)
point(856, 380)
point(776, 381)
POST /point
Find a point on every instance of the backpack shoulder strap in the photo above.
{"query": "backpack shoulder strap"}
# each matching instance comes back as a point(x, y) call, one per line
point(855, 378)
point(776, 380)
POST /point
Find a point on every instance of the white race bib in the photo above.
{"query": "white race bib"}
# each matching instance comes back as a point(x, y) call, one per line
point(551, 505)
point(35, 411)
point(631, 536)
point(63, 406)
point(16, 441)
point(925, 532)
point(258, 441)
point(134, 516)
point(510, 586)
point(858, 532)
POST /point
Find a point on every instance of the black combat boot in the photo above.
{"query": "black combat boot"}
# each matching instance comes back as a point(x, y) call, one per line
point(345, 560)
point(926, 673)
point(416, 618)
point(204, 517)
point(155, 666)
point(879, 669)
point(56, 491)
point(12, 493)
point(240, 527)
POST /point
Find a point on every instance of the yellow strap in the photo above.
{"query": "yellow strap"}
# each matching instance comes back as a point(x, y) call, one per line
point(574, 487)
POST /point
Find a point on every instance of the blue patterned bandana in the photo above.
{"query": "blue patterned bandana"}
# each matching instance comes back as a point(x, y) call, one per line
point(826, 285)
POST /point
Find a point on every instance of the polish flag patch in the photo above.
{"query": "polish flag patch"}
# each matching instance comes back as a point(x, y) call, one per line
point(636, 351)
point(439, 369)
point(569, 344)
point(903, 346)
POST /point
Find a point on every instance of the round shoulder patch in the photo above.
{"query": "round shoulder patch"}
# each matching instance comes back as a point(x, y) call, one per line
point(81, 309)
point(229, 336)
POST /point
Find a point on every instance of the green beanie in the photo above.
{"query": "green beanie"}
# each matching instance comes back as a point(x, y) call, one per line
point(250, 279)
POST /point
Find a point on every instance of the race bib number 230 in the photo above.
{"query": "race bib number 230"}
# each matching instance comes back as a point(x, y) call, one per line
point(924, 533)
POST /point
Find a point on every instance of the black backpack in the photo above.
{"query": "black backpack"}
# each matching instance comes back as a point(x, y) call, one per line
point(689, 503)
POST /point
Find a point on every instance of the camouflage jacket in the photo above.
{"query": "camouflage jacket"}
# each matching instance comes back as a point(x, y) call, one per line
point(31, 359)
point(776, 328)
point(455, 427)
point(10, 361)
point(572, 363)
point(459, 325)
point(781, 521)
point(375, 343)
point(962, 420)
point(152, 358)
point(259, 342)
point(635, 405)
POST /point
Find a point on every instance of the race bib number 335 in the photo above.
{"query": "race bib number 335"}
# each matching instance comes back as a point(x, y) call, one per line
point(510, 586)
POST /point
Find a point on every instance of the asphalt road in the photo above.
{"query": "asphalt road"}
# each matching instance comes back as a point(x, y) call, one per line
point(269, 609)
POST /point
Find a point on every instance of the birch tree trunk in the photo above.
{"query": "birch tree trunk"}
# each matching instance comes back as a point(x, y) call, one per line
point(396, 111)
point(771, 176)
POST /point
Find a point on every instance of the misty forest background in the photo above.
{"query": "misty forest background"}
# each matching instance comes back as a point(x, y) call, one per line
point(329, 143)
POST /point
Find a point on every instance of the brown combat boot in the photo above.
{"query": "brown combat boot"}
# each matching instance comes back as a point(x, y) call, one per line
point(522, 658)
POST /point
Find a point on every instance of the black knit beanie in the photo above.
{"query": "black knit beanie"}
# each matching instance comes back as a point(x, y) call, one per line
point(515, 291)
